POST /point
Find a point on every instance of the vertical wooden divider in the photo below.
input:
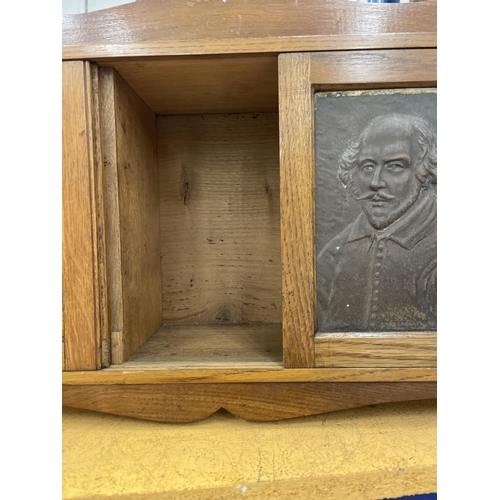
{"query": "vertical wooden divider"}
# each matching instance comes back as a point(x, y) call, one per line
point(132, 208)
point(113, 249)
point(100, 259)
point(297, 209)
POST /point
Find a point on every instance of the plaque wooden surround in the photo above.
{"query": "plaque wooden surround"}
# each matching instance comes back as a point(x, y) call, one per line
point(188, 206)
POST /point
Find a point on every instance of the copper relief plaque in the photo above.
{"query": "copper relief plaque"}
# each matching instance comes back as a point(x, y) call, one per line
point(376, 187)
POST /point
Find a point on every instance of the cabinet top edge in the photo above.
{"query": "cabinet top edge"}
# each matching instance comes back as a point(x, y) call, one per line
point(156, 27)
point(226, 47)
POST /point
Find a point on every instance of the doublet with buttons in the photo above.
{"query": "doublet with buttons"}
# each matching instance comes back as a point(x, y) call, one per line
point(369, 280)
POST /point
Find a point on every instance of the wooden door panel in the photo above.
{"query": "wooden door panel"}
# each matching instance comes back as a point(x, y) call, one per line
point(81, 294)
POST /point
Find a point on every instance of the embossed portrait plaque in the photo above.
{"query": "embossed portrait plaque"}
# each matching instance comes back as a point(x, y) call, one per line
point(376, 188)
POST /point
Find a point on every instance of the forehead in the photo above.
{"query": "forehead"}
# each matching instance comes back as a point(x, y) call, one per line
point(387, 139)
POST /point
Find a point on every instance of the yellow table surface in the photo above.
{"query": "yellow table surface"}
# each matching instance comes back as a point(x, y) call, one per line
point(367, 453)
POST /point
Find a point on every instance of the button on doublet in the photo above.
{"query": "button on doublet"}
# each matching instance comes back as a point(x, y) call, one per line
point(372, 314)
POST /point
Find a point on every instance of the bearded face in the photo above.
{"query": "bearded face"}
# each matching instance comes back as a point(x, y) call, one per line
point(384, 181)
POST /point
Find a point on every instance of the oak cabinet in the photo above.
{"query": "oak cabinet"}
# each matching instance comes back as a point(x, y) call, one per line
point(189, 246)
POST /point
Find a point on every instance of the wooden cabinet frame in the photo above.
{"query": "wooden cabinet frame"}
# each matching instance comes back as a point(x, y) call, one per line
point(85, 332)
point(388, 48)
point(300, 76)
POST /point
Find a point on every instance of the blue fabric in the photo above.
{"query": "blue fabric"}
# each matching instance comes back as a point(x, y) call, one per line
point(427, 496)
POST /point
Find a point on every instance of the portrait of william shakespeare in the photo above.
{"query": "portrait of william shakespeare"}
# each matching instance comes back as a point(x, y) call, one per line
point(379, 272)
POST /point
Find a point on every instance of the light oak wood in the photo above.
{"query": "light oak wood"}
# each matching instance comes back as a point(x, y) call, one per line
point(106, 80)
point(79, 232)
point(260, 402)
point(132, 198)
point(166, 374)
point(297, 209)
point(220, 232)
point(394, 349)
point(195, 85)
point(151, 28)
point(209, 346)
point(219, 217)
point(234, 46)
point(249, 83)
point(62, 344)
point(371, 69)
point(95, 176)
point(100, 250)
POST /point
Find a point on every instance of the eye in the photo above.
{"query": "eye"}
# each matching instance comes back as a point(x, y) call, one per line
point(395, 167)
point(367, 167)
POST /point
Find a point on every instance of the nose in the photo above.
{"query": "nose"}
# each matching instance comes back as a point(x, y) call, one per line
point(377, 181)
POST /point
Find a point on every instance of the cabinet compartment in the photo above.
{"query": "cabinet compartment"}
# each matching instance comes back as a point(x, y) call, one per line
point(192, 231)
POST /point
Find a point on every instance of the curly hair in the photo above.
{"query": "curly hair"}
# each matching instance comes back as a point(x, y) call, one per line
point(426, 138)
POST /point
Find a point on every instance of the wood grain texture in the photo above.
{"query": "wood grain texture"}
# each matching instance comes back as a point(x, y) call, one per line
point(100, 250)
point(233, 46)
point(297, 209)
point(219, 217)
point(176, 28)
point(194, 85)
point(62, 344)
point(374, 68)
point(157, 374)
point(381, 350)
point(80, 283)
point(106, 80)
point(132, 197)
point(259, 402)
point(210, 346)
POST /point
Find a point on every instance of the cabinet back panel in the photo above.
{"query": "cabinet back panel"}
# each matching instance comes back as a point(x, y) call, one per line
point(219, 218)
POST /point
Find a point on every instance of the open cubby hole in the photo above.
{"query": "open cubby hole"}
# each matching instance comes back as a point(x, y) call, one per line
point(193, 227)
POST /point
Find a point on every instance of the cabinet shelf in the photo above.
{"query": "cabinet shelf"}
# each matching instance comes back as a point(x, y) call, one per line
point(208, 346)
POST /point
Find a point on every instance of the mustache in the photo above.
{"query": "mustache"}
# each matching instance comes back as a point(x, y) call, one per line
point(378, 196)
